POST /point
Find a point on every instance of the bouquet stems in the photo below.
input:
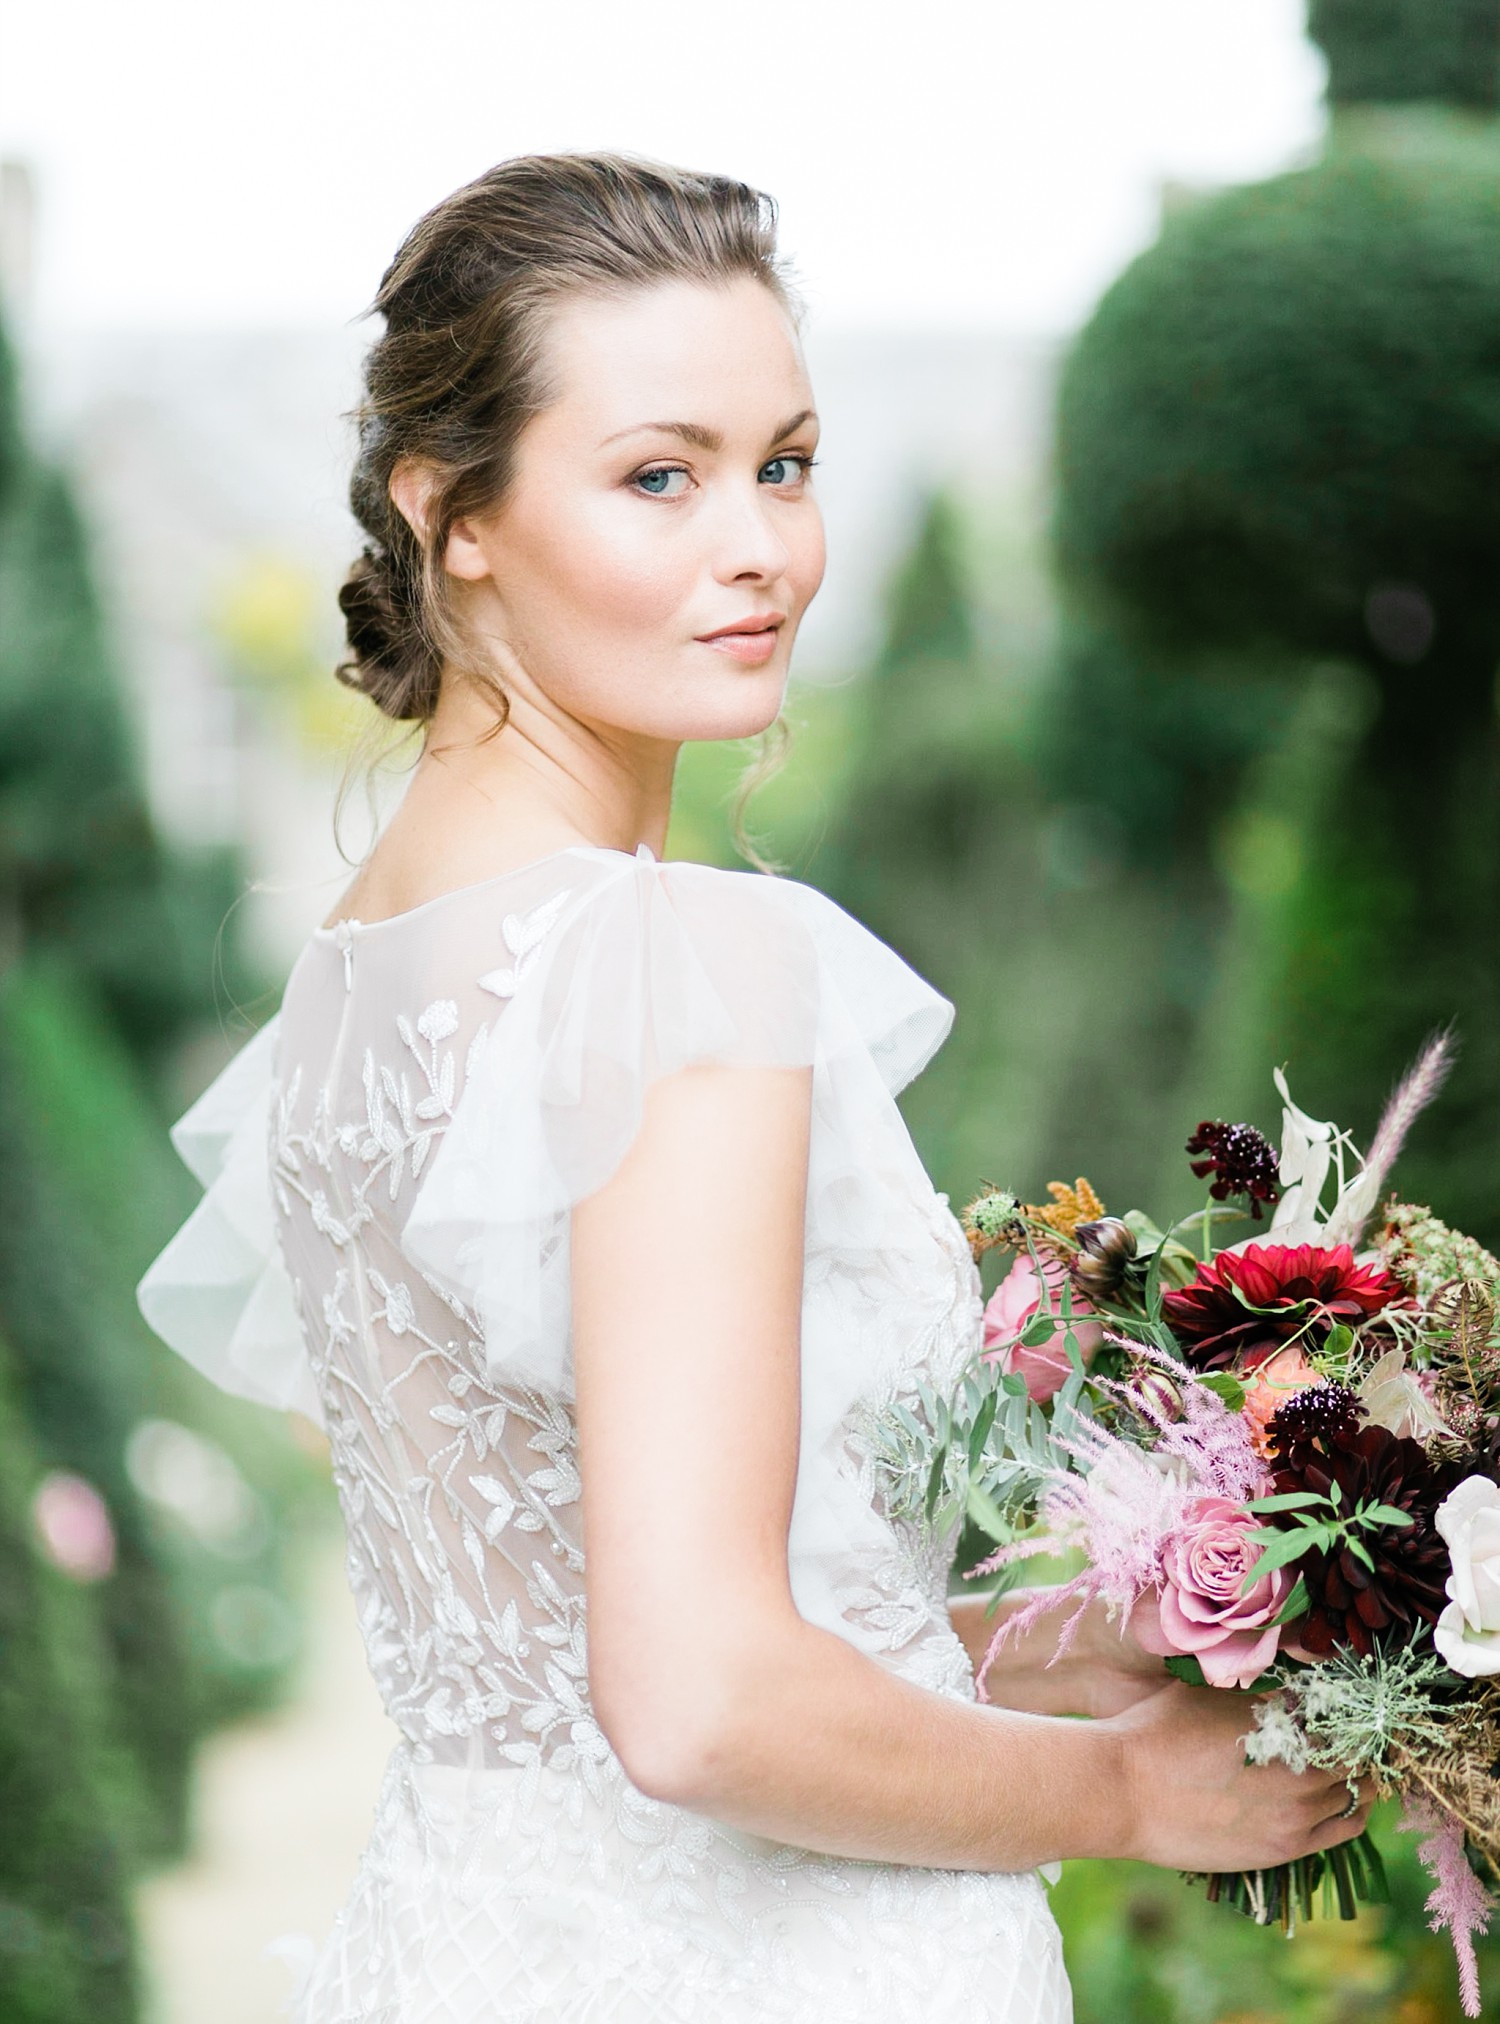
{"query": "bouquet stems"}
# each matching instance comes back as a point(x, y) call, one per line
point(1349, 1875)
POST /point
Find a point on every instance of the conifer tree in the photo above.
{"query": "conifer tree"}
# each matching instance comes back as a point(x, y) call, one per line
point(1276, 455)
point(66, 1948)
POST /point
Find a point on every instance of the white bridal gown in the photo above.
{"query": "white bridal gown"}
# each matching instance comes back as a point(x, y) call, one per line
point(389, 1165)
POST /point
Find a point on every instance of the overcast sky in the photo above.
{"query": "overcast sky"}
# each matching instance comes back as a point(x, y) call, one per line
point(953, 162)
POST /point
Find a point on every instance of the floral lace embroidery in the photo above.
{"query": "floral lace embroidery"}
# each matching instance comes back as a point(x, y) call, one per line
point(505, 1804)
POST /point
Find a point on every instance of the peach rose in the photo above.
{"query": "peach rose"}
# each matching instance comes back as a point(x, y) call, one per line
point(1269, 1386)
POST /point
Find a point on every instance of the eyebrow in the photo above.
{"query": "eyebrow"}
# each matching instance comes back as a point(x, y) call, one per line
point(704, 438)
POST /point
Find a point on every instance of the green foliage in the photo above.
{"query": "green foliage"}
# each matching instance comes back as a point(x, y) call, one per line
point(65, 1943)
point(78, 1384)
point(1290, 401)
point(105, 960)
point(1396, 51)
point(1276, 524)
point(83, 1096)
point(80, 860)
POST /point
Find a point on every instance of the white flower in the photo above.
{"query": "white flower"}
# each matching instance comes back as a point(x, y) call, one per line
point(1468, 1632)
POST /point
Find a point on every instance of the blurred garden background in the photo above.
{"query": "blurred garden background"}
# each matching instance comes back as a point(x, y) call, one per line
point(1150, 710)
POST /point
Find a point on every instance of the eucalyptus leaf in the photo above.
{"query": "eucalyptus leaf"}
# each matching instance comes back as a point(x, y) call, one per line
point(986, 1513)
point(979, 1432)
point(935, 1479)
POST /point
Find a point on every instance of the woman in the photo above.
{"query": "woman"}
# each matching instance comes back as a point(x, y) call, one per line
point(567, 1188)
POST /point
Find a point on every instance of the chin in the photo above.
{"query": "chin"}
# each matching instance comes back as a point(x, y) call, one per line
point(742, 715)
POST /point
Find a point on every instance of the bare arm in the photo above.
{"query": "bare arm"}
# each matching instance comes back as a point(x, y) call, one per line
point(687, 1290)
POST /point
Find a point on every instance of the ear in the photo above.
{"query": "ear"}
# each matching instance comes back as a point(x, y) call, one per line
point(411, 493)
point(464, 555)
point(412, 484)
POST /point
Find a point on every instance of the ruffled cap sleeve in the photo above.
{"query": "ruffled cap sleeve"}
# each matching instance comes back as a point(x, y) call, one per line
point(659, 966)
point(219, 1293)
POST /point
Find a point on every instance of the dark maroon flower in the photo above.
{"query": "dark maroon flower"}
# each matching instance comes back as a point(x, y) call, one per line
point(1349, 1603)
point(1246, 1302)
point(1319, 1418)
point(1240, 1160)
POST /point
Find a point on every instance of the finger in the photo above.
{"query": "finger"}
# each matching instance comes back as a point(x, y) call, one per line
point(1337, 1829)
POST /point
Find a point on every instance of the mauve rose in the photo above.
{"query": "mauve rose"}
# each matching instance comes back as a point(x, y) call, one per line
point(1013, 1303)
point(1200, 1610)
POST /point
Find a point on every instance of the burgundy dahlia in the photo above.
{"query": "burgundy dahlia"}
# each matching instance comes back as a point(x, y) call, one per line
point(1349, 1603)
point(1240, 1160)
point(1247, 1302)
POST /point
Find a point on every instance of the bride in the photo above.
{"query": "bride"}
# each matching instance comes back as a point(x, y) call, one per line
point(568, 1191)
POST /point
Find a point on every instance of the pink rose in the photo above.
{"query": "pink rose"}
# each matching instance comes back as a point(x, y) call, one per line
point(1013, 1303)
point(1200, 1609)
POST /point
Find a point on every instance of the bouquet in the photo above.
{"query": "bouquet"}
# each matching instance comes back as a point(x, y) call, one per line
point(1275, 1461)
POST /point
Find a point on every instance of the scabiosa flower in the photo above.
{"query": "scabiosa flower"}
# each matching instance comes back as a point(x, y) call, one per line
point(1247, 1302)
point(1315, 1419)
point(1240, 1160)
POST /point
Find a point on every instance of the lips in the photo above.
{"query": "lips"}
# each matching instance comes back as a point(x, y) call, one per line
point(758, 623)
point(752, 640)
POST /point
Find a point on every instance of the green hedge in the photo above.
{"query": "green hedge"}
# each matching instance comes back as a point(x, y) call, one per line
point(66, 1949)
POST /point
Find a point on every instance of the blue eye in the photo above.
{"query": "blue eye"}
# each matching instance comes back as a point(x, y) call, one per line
point(786, 470)
point(644, 478)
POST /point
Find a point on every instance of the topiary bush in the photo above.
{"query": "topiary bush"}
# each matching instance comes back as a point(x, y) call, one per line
point(66, 1949)
point(1278, 444)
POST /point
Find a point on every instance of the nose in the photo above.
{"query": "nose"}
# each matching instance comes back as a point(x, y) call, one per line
point(749, 543)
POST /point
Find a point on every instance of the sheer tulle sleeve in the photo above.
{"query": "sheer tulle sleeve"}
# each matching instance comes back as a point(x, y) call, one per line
point(660, 966)
point(219, 1293)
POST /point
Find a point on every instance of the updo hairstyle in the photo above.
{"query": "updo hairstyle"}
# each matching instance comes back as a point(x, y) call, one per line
point(462, 367)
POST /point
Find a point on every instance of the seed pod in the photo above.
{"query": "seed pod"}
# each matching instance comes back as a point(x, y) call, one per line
point(1105, 1247)
point(1158, 1393)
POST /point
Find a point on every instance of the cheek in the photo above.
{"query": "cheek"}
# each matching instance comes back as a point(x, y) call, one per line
point(595, 568)
point(807, 556)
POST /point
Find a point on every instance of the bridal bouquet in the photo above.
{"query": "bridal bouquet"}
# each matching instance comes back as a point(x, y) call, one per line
point(1275, 1461)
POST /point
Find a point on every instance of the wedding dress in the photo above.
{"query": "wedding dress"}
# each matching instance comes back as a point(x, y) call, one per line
point(388, 1166)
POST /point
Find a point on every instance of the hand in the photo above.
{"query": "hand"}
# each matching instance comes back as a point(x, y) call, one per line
point(1101, 1673)
point(1115, 1672)
point(1196, 1804)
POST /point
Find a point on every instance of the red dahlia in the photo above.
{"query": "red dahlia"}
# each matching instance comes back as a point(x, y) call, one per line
point(1250, 1301)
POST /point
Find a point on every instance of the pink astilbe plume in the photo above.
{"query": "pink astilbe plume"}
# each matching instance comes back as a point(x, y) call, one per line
point(1214, 1443)
point(1459, 1903)
point(1414, 1092)
point(1122, 1503)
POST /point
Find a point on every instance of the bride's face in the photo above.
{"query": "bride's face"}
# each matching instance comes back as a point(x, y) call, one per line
point(664, 495)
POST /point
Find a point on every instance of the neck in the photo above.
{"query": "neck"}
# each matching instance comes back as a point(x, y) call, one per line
point(543, 778)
